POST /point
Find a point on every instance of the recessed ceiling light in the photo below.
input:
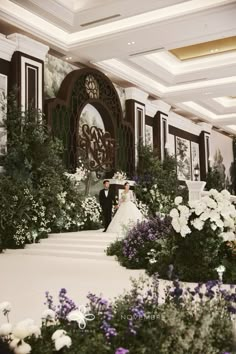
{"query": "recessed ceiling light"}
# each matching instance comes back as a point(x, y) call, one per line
point(131, 43)
point(214, 50)
point(70, 58)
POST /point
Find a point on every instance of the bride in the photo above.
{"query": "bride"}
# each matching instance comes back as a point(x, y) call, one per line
point(127, 214)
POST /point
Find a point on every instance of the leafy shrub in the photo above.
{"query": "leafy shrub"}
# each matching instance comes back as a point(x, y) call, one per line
point(156, 181)
point(192, 321)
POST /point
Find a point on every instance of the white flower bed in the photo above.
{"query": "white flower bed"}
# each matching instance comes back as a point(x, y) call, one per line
point(214, 209)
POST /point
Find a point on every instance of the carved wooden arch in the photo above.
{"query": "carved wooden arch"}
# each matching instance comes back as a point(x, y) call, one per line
point(79, 88)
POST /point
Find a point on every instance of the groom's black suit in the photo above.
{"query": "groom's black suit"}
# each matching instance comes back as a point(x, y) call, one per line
point(106, 203)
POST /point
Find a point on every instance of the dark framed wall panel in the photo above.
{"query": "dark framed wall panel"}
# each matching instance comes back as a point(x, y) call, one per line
point(27, 76)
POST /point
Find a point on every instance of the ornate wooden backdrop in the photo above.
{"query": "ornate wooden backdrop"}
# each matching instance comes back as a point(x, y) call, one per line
point(107, 151)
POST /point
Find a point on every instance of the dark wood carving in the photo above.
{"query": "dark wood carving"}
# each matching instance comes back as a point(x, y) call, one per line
point(98, 148)
point(79, 88)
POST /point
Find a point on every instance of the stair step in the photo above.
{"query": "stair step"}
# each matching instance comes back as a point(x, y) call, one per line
point(67, 247)
point(65, 241)
point(56, 253)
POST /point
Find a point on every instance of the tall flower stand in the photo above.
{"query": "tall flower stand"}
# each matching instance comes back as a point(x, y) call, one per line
point(195, 189)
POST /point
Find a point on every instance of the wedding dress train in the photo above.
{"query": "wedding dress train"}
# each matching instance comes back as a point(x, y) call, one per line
point(126, 216)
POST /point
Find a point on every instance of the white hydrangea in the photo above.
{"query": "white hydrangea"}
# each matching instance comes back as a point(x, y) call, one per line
point(198, 224)
point(214, 209)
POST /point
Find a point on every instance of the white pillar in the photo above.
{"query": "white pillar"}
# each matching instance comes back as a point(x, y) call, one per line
point(195, 189)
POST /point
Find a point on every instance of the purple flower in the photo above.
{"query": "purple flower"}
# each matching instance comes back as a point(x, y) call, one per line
point(121, 351)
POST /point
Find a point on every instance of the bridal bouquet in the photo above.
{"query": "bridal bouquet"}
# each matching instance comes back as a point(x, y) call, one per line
point(120, 175)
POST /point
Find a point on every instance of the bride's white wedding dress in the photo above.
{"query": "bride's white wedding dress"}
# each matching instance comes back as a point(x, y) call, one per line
point(126, 216)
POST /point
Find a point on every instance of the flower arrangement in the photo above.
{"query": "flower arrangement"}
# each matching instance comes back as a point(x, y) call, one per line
point(79, 175)
point(188, 321)
point(144, 209)
point(91, 213)
point(132, 251)
point(203, 238)
point(214, 210)
point(120, 175)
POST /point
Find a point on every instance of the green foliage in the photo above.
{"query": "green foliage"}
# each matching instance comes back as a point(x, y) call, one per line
point(233, 168)
point(216, 178)
point(157, 182)
point(35, 194)
point(189, 321)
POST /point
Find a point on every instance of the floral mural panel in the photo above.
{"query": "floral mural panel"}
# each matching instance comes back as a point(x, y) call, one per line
point(55, 70)
point(183, 156)
point(3, 141)
point(90, 116)
point(3, 96)
point(194, 156)
point(149, 135)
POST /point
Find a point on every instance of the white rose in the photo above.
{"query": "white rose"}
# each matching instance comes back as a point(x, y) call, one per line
point(23, 348)
point(5, 329)
point(64, 341)
point(178, 200)
point(5, 306)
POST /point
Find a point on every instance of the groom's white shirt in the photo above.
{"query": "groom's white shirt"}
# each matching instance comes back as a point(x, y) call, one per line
point(106, 192)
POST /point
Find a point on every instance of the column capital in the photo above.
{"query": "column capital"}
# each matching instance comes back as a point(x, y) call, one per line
point(133, 93)
point(29, 46)
point(162, 106)
point(7, 47)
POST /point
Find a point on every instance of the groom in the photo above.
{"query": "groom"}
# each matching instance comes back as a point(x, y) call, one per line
point(106, 199)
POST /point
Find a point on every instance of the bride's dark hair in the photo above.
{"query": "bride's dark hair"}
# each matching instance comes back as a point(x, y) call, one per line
point(126, 183)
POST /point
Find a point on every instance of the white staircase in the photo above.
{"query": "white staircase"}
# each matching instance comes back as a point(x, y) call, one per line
point(79, 245)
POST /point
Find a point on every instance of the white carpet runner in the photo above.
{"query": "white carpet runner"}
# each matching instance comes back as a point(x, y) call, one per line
point(82, 244)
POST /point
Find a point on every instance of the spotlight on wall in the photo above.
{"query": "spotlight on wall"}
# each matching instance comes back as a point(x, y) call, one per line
point(196, 172)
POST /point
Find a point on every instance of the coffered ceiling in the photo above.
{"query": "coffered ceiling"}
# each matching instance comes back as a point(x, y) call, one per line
point(183, 52)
